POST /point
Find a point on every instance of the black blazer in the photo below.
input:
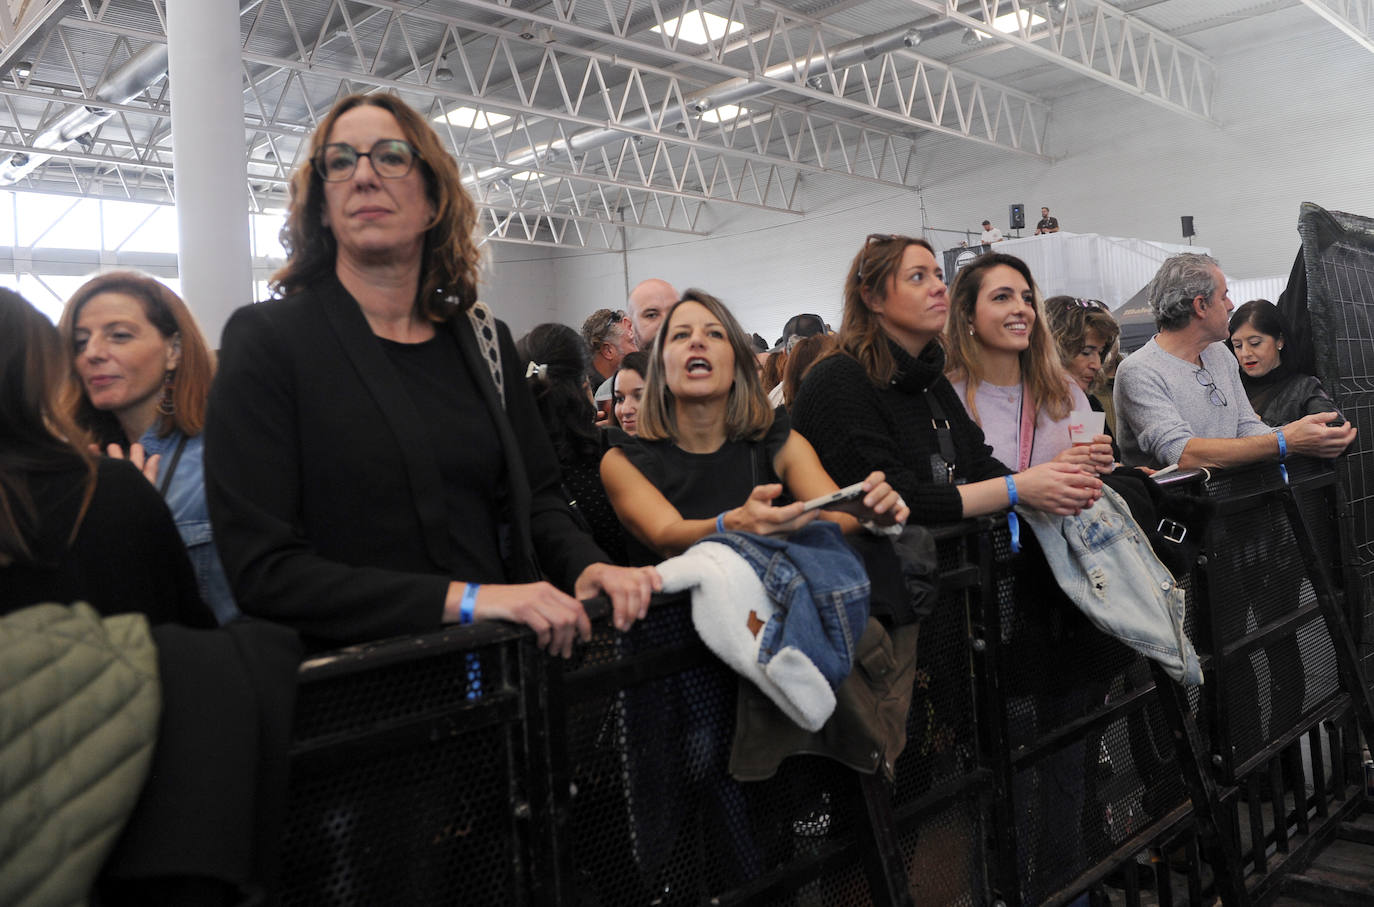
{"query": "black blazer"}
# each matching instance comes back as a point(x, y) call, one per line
point(325, 498)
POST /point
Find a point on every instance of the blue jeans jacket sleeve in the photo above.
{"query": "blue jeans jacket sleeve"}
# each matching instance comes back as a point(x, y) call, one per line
point(820, 588)
point(1105, 565)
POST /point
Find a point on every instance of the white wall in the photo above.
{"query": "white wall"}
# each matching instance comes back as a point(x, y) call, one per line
point(1296, 124)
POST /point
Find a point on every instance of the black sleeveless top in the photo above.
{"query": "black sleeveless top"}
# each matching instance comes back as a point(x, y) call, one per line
point(701, 486)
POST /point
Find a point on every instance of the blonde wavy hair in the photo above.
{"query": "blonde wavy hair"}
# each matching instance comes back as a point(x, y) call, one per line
point(1041, 372)
point(451, 259)
point(747, 413)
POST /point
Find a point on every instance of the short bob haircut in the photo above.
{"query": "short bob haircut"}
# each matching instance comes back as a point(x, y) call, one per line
point(747, 413)
point(1071, 319)
point(1181, 279)
point(167, 312)
point(39, 434)
point(861, 333)
point(449, 267)
point(1041, 372)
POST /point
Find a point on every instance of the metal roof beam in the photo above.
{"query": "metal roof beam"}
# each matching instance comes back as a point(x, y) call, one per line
point(1096, 40)
point(1354, 17)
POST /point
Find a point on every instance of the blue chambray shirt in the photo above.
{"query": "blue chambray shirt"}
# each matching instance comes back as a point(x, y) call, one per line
point(186, 499)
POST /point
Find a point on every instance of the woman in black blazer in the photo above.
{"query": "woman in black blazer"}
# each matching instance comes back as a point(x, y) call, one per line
point(375, 464)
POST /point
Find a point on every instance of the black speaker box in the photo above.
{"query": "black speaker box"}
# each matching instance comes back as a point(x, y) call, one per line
point(1018, 217)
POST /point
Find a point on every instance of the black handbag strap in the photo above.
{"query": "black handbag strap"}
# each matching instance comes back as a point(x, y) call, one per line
point(171, 468)
point(943, 436)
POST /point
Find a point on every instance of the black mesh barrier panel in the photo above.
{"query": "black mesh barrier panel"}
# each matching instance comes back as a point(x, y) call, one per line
point(944, 856)
point(468, 768)
point(1257, 581)
point(1110, 770)
point(656, 816)
point(941, 725)
point(401, 785)
point(1338, 255)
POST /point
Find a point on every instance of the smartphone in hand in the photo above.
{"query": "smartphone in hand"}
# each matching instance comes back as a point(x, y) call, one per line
point(829, 501)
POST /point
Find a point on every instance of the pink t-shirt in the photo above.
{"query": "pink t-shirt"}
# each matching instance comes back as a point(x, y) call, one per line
point(999, 413)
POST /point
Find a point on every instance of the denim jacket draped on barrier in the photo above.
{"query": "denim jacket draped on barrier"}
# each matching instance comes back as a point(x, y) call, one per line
point(787, 613)
point(1106, 567)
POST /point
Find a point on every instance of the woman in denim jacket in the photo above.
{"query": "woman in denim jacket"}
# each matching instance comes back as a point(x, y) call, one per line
point(141, 376)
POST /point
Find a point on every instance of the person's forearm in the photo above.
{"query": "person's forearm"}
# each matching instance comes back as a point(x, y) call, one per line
point(988, 496)
point(677, 537)
point(1220, 452)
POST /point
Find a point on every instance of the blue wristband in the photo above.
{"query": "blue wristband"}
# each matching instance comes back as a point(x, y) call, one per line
point(1013, 522)
point(1283, 454)
point(720, 521)
point(468, 605)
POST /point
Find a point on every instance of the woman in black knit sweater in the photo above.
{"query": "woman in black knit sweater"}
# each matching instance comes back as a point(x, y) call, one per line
point(876, 401)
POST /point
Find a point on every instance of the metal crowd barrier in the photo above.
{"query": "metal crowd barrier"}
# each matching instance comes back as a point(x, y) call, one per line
point(1041, 762)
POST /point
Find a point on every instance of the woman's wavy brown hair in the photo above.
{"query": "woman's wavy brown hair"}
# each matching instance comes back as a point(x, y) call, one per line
point(1071, 319)
point(450, 260)
point(861, 332)
point(747, 413)
point(166, 311)
point(1041, 372)
point(39, 436)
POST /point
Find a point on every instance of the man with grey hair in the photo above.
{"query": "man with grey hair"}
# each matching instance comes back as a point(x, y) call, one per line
point(609, 337)
point(649, 302)
point(1179, 399)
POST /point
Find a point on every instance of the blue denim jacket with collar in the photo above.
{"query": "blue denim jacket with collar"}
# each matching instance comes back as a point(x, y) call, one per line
point(186, 499)
point(821, 590)
point(1105, 565)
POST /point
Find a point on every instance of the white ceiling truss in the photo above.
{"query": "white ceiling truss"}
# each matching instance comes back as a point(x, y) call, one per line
point(597, 127)
point(1354, 17)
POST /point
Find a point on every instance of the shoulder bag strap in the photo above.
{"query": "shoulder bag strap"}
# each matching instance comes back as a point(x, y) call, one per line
point(484, 326)
point(943, 436)
point(171, 468)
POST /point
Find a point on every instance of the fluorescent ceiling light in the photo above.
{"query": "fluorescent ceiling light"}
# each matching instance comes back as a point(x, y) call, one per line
point(467, 117)
point(699, 28)
point(722, 113)
point(1008, 23)
point(525, 176)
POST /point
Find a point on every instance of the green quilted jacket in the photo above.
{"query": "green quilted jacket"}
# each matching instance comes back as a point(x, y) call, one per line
point(79, 707)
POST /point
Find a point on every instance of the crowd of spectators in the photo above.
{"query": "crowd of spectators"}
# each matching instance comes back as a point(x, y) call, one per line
point(378, 456)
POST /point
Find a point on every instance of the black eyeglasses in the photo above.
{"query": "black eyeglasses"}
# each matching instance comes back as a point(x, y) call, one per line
point(1214, 394)
point(1090, 303)
point(390, 159)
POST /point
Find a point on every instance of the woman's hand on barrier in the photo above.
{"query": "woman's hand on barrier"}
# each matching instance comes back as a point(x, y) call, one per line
point(1095, 458)
point(556, 618)
point(628, 588)
point(1312, 437)
point(1059, 488)
point(137, 456)
point(759, 516)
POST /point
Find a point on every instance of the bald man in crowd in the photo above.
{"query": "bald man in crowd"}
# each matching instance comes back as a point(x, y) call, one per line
point(649, 301)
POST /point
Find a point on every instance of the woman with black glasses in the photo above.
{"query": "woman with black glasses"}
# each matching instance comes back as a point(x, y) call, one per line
point(375, 463)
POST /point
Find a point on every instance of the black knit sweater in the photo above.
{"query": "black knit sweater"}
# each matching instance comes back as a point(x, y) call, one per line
point(857, 427)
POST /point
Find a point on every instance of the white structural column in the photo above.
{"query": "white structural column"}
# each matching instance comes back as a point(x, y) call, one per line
point(209, 160)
